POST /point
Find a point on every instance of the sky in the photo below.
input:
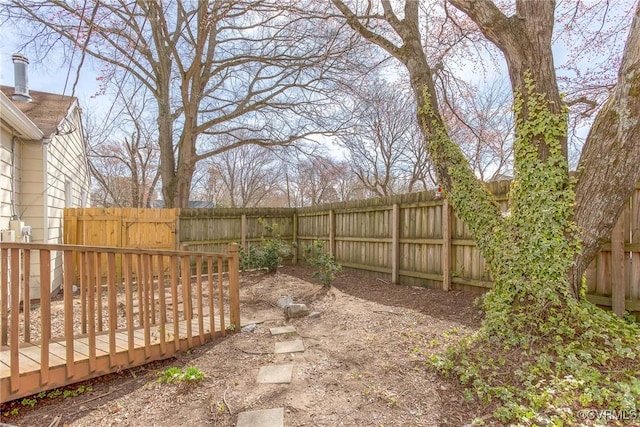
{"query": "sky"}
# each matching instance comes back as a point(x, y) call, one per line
point(46, 77)
point(49, 76)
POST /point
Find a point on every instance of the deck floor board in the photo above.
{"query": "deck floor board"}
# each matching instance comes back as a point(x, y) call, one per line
point(29, 357)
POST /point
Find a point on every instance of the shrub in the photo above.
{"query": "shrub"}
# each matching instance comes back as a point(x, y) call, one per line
point(269, 255)
point(170, 375)
point(176, 375)
point(325, 263)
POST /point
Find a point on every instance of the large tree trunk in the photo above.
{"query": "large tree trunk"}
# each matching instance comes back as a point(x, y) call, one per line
point(525, 41)
point(609, 166)
point(609, 163)
point(167, 160)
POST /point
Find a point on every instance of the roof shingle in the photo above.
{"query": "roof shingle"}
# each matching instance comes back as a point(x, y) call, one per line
point(47, 110)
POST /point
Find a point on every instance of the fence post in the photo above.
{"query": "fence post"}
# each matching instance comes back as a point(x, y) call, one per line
point(243, 232)
point(234, 287)
point(294, 239)
point(176, 229)
point(618, 275)
point(446, 245)
point(395, 242)
point(332, 233)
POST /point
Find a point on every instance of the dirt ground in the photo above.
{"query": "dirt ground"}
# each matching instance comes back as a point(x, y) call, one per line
point(363, 364)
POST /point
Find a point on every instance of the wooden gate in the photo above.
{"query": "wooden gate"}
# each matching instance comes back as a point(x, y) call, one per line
point(132, 228)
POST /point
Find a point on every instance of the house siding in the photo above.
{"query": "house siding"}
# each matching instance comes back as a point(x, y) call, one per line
point(31, 182)
point(5, 177)
point(66, 163)
point(45, 170)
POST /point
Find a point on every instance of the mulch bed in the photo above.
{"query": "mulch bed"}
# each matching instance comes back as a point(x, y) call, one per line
point(452, 305)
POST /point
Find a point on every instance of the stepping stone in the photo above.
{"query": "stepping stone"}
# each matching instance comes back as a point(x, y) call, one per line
point(289, 346)
point(278, 374)
point(282, 330)
point(262, 418)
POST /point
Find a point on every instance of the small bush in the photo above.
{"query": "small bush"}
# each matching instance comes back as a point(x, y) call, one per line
point(269, 255)
point(325, 263)
point(193, 374)
point(170, 375)
point(175, 375)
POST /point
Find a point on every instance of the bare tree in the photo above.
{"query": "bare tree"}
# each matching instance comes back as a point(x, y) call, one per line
point(122, 150)
point(208, 185)
point(480, 121)
point(212, 68)
point(249, 174)
point(347, 185)
point(385, 147)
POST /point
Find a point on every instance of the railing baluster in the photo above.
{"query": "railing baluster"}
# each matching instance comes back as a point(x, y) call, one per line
point(15, 319)
point(140, 283)
point(98, 265)
point(112, 289)
point(83, 266)
point(82, 256)
point(26, 295)
point(162, 316)
point(212, 320)
point(146, 284)
point(45, 313)
point(174, 300)
point(128, 291)
point(68, 309)
point(223, 329)
point(152, 292)
point(91, 286)
point(199, 297)
point(186, 296)
point(4, 294)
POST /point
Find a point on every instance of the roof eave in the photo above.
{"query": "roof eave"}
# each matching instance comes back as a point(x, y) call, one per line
point(18, 120)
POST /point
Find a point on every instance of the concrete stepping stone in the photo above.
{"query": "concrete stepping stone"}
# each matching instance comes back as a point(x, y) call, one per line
point(289, 346)
point(282, 330)
point(277, 374)
point(261, 418)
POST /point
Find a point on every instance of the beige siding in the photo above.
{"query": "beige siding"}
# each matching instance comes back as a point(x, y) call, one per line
point(41, 194)
point(5, 177)
point(67, 170)
point(31, 188)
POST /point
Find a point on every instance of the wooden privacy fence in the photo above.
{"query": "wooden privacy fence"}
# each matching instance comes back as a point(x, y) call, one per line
point(410, 238)
point(170, 301)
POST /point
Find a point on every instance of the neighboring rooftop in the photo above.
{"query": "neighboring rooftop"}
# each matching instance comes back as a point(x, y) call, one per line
point(46, 110)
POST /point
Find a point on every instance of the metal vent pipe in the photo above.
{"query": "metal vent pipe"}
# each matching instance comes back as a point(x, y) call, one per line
point(21, 86)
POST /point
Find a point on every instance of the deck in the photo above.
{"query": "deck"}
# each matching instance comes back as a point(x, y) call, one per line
point(165, 302)
point(85, 366)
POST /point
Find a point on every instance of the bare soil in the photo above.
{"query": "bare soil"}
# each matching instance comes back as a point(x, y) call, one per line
point(363, 364)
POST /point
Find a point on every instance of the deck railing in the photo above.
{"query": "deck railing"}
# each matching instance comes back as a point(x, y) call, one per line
point(167, 301)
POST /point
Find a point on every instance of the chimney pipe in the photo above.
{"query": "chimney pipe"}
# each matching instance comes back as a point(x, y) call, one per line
point(21, 89)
